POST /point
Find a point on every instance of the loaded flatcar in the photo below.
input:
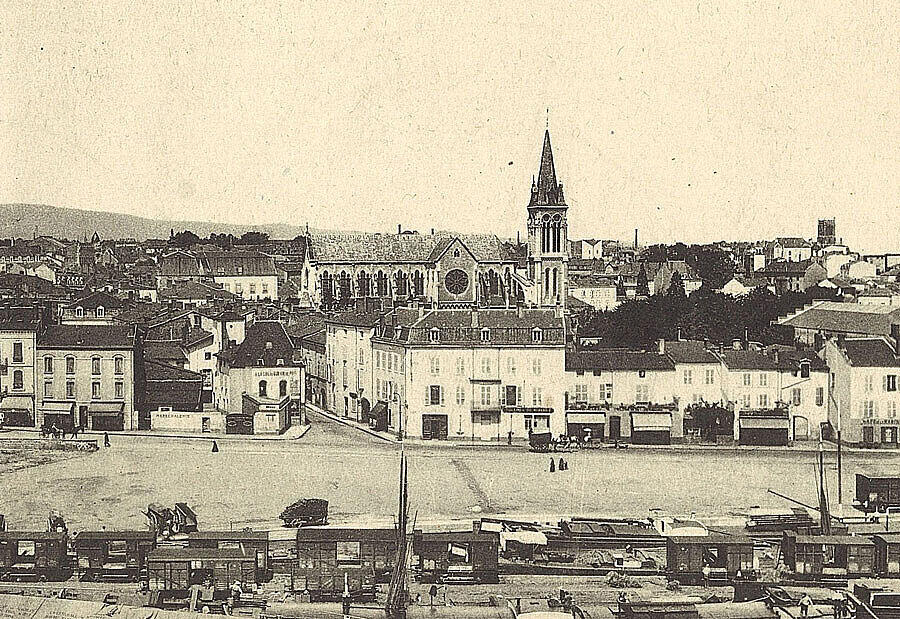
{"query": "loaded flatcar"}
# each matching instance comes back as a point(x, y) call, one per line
point(724, 558)
point(113, 555)
point(173, 570)
point(876, 494)
point(817, 557)
point(457, 557)
point(254, 542)
point(31, 555)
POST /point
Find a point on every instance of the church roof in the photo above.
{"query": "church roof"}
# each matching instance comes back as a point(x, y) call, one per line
point(399, 248)
point(547, 192)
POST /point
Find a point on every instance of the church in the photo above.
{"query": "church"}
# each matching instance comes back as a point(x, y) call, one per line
point(448, 270)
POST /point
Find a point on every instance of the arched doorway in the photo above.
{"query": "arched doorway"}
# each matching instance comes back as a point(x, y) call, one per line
point(801, 428)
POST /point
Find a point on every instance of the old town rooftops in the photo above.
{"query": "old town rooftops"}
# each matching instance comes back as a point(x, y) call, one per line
point(690, 351)
point(90, 337)
point(216, 263)
point(97, 299)
point(617, 359)
point(873, 352)
point(266, 344)
point(871, 319)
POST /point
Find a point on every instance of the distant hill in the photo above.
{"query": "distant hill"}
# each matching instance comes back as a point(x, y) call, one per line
point(24, 220)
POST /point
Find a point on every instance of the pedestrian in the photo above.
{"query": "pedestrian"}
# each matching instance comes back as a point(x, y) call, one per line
point(562, 464)
point(106, 439)
point(215, 448)
point(509, 438)
point(552, 465)
point(805, 603)
point(75, 432)
point(706, 571)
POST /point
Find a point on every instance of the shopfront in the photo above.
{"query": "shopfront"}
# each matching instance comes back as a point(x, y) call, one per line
point(17, 411)
point(764, 427)
point(60, 413)
point(106, 416)
point(587, 426)
point(651, 427)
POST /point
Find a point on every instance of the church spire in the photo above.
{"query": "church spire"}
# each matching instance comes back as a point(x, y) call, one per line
point(547, 192)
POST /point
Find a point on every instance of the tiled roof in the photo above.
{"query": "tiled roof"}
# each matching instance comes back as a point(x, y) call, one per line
point(194, 290)
point(872, 319)
point(164, 351)
point(789, 358)
point(792, 241)
point(92, 337)
point(171, 386)
point(265, 340)
point(591, 281)
point(459, 327)
point(399, 248)
point(689, 351)
point(97, 299)
point(870, 352)
point(216, 263)
point(355, 318)
point(617, 359)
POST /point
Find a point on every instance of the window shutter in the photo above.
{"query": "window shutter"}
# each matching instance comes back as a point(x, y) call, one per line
point(427, 395)
point(442, 395)
point(884, 383)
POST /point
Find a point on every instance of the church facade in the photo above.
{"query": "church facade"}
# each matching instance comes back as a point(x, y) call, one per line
point(450, 270)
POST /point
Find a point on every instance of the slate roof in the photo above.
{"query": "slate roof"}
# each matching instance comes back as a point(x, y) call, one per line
point(871, 319)
point(746, 360)
point(216, 263)
point(355, 318)
point(547, 192)
point(164, 351)
point(870, 352)
point(194, 290)
point(792, 242)
point(591, 281)
point(617, 359)
point(97, 299)
point(377, 248)
point(456, 327)
point(689, 351)
point(789, 358)
point(90, 337)
point(266, 340)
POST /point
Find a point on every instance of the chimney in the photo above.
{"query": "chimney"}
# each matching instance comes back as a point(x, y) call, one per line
point(635, 238)
point(661, 345)
point(736, 344)
point(678, 331)
point(432, 232)
point(775, 356)
point(474, 317)
point(399, 229)
point(518, 311)
point(268, 345)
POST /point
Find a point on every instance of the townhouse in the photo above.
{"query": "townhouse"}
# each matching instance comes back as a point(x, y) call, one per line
point(18, 341)
point(250, 275)
point(473, 374)
point(89, 376)
point(348, 357)
point(618, 394)
point(864, 385)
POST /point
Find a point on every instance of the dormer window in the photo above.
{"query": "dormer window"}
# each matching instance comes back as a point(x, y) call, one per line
point(101, 311)
point(279, 362)
point(485, 334)
point(79, 311)
point(537, 335)
point(397, 332)
point(804, 369)
point(434, 335)
point(260, 362)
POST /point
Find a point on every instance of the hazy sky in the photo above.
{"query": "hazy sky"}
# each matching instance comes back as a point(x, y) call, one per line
point(692, 121)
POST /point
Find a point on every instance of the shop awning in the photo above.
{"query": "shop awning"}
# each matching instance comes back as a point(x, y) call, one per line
point(762, 423)
point(648, 422)
point(16, 403)
point(57, 407)
point(586, 417)
point(99, 409)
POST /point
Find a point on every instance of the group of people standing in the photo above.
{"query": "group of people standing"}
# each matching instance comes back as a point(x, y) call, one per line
point(563, 465)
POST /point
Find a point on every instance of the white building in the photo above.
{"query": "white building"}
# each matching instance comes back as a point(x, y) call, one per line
point(598, 292)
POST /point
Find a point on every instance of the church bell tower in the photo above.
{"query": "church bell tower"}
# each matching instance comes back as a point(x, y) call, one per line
point(548, 239)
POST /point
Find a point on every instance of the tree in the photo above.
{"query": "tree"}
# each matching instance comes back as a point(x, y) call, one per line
point(185, 238)
point(254, 238)
point(643, 287)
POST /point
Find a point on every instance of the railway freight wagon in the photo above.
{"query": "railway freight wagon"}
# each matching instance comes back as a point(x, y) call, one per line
point(457, 557)
point(877, 493)
point(727, 557)
point(31, 555)
point(887, 554)
point(172, 569)
point(253, 542)
point(325, 581)
point(375, 548)
point(113, 555)
point(816, 557)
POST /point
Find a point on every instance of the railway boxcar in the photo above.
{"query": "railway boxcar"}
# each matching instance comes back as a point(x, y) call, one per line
point(173, 569)
point(727, 557)
point(113, 555)
point(325, 581)
point(877, 493)
point(457, 556)
point(254, 542)
point(32, 555)
point(332, 546)
point(815, 557)
point(887, 554)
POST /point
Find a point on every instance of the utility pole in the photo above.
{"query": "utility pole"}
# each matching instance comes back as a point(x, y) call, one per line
point(840, 478)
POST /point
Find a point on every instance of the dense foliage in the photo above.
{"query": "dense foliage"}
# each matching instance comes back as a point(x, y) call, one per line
point(711, 263)
point(702, 315)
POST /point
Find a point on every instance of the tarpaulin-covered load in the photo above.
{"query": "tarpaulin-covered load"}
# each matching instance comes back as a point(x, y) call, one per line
point(305, 512)
point(529, 538)
point(30, 607)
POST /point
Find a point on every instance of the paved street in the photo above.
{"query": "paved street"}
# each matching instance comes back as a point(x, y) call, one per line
point(248, 482)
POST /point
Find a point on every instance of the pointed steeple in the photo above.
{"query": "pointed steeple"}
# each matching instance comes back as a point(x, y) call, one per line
point(547, 192)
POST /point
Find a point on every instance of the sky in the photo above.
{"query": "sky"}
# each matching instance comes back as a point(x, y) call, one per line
point(692, 121)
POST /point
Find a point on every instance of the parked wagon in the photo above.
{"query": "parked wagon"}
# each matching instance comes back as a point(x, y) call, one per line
point(30, 555)
point(253, 542)
point(173, 570)
point(823, 557)
point(376, 548)
point(716, 557)
point(113, 555)
point(876, 494)
point(457, 557)
point(325, 582)
point(540, 441)
point(887, 554)
point(305, 512)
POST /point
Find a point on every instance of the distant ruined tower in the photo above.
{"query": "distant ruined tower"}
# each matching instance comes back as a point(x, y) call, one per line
point(548, 238)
